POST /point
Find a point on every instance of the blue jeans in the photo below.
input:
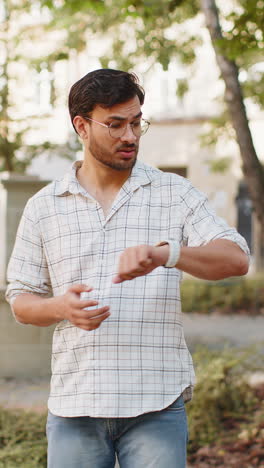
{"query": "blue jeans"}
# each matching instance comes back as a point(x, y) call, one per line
point(151, 440)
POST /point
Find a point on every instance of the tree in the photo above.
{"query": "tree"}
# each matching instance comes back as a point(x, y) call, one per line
point(150, 25)
point(252, 168)
point(17, 68)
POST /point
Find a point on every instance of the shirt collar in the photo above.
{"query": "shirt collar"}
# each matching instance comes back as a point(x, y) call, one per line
point(141, 175)
point(69, 184)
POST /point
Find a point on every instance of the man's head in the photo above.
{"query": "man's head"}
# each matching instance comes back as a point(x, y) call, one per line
point(105, 107)
point(105, 88)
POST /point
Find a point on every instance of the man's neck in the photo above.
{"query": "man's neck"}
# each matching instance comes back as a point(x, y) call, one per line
point(102, 183)
point(98, 177)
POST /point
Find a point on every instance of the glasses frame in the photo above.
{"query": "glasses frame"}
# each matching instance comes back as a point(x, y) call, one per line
point(146, 122)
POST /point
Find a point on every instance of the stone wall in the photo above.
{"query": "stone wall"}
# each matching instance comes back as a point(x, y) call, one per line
point(24, 349)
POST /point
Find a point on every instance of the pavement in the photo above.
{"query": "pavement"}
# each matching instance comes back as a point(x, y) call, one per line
point(216, 331)
point(29, 394)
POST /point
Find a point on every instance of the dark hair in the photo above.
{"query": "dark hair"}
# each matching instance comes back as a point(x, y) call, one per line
point(104, 87)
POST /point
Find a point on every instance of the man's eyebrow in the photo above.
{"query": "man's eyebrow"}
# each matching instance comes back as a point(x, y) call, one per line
point(117, 117)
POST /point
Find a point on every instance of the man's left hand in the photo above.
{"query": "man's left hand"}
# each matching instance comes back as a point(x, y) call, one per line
point(139, 261)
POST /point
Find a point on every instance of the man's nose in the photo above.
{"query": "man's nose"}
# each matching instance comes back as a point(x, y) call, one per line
point(128, 134)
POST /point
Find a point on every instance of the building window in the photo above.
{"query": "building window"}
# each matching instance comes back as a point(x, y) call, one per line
point(180, 170)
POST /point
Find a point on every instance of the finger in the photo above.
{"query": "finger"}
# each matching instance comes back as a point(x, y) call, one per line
point(144, 257)
point(85, 316)
point(117, 279)
point(145, 263)
point(83, 303)
point(92, 314)
point(126, 274)
point(128, 263)
point(78, 303)
point(132, 263)
point(120, 278)
point(79, 288)
point(137, 260)
point(94, 323)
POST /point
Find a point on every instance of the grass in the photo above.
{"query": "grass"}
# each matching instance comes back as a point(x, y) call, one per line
point(22, 439)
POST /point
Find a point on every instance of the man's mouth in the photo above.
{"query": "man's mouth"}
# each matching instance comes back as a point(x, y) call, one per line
point(127, 152)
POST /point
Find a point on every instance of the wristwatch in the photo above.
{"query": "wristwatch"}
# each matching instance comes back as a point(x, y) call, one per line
point(174, 252)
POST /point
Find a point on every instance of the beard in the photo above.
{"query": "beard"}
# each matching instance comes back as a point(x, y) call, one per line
point(106, 157)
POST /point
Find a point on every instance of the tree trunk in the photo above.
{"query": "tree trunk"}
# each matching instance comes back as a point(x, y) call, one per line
point(252, 168)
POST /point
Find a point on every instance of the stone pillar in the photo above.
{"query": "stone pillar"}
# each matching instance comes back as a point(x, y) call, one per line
point(24, 349)
point(15, 190)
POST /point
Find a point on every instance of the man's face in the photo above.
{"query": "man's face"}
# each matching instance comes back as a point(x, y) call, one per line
point(117, 153)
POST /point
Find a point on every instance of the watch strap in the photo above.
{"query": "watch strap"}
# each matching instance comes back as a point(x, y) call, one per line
point(174, 252)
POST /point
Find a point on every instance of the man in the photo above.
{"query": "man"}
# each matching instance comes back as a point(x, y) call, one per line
point(100, 252)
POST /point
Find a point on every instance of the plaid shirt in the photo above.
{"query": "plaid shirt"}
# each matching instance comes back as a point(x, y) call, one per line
point(137, 361)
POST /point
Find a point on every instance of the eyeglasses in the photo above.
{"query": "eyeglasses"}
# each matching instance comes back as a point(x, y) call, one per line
point(117, 129)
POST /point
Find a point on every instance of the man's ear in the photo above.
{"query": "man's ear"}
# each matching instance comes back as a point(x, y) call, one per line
point(79, 124)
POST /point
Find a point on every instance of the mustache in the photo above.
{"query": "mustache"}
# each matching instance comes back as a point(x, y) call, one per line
point(130, 147)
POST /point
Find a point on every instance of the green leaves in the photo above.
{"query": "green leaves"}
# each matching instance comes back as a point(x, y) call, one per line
point(74, 6)
point(253, 87)
point(246, 31)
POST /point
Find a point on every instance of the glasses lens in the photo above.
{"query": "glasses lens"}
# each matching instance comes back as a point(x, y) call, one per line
point(144, 127)
point(138, 128)
point(117, 130)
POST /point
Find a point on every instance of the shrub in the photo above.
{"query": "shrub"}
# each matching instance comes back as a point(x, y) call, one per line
point(221, 393)
point(233, 295)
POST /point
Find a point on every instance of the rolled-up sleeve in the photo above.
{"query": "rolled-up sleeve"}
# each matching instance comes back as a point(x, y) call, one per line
point(27, 271)
point(202, 225)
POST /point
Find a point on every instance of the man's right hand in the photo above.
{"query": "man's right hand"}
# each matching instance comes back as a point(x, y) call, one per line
point(73, 306)
point(35, 310)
